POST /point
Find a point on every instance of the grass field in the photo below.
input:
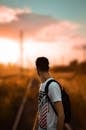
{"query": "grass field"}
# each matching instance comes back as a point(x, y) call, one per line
point(13, 89)
point(76, 88)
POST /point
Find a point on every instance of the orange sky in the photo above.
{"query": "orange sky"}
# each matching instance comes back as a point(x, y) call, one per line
point(42, 36)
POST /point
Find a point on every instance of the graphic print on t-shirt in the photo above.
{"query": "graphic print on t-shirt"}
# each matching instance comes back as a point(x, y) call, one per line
point(43, 109)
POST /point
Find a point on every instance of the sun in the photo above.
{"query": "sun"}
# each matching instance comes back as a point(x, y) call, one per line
point(9, 51)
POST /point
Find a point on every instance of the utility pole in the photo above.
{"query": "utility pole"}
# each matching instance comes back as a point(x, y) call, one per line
point(84, 52)
point(83, 48)
point(21, 33)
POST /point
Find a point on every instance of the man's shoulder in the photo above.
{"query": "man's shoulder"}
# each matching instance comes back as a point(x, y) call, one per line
point(53, 85)
point(53, 82)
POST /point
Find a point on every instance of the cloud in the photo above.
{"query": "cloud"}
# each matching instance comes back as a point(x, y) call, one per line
point(38, 27)
point(57, 30)
point(22, 19)
point(61, 31)
point(8, 14)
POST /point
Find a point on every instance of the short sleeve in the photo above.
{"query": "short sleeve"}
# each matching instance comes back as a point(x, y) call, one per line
point(54, 92)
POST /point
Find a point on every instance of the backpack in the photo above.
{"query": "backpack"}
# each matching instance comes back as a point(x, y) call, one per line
point(65, 101)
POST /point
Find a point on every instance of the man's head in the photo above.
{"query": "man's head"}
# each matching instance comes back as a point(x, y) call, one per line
point(42, 64)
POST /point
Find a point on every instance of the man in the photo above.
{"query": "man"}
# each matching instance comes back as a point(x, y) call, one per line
point(47, 118)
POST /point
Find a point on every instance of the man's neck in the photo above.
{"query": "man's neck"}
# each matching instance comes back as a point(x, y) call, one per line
point(44, 76)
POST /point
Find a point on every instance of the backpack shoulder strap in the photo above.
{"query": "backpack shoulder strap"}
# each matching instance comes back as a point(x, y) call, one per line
point(47, 84)
point(46, 91)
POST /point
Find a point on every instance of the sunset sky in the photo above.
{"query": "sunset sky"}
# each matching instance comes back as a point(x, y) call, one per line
point(52, 28)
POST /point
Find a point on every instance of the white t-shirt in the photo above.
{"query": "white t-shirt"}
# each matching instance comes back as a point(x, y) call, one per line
point(54, 93)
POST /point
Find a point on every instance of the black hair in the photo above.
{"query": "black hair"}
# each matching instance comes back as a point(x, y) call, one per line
point(42, 64)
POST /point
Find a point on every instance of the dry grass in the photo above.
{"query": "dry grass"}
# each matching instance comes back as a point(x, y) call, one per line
point(12, 91)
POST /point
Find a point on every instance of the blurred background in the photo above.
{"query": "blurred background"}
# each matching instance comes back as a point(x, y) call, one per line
point(32, 28)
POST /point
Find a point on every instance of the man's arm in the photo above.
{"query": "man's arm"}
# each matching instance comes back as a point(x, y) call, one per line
point(60, 115)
